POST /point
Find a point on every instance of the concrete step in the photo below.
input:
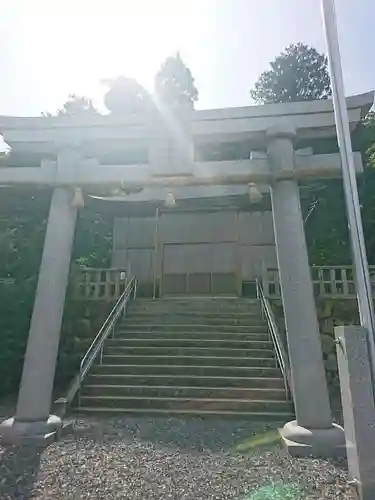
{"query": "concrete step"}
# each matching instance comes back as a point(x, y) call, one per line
point(206, 300)
point(186, 311)
point(204, 308)
point(186, 317)
point(237, 361)
point(186, 380)
point(192, 319)
point(188, 351)
point(125, 328)
point(201, 357)
point(184, 392)
point(198, 369)
point(280, 417)
point(195, 299)
point(208, 339)
point(159, 403)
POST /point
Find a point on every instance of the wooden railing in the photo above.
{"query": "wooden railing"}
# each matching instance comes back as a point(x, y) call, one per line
point(99, 284)
point(328, 281)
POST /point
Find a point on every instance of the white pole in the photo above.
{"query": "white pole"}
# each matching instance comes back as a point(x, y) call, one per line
point(364, 292)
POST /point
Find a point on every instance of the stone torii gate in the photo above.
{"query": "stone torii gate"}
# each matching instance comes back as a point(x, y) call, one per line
point(272, 132)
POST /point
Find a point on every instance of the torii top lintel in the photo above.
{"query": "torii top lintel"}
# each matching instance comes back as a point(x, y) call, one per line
point(70, 138)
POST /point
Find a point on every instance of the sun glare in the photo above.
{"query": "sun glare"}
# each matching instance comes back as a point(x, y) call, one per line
point(75, 45)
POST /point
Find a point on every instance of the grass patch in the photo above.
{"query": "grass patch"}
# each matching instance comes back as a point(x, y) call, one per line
point(264, 439)
point(276, 492)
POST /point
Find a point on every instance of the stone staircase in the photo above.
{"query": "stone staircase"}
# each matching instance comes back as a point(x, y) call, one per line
point(189, 356)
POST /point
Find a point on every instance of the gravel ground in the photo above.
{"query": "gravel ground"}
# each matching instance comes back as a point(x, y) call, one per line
point(177, 459)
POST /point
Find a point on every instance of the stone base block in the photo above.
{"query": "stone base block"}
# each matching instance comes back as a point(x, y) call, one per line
point(316, 443)
point(41, 433)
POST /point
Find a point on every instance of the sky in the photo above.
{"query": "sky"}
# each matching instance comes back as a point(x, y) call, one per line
point(52, 48)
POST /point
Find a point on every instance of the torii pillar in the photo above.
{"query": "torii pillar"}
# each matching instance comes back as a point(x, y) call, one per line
point(33, 420)
point(312, 433)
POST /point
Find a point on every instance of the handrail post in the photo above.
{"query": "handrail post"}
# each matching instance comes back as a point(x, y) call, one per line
point(79, 389)
point(259, 297)
point(129, 272)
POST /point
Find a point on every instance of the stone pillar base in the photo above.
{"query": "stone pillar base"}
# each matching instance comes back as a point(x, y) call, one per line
point(45, 432)
point(317, 443)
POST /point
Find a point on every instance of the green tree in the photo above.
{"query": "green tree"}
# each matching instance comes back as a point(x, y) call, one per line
point(174, 84)
point(4, 157)
point(327, 227)
point(299, 73)
point(75, 105)
point(23, 216)
point(23, 220)
point(126, 96)
point(364, 140)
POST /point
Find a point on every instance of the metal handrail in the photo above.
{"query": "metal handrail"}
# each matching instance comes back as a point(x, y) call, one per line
point(281, 354)
point(107, 327)
point(97, 344)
